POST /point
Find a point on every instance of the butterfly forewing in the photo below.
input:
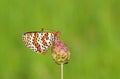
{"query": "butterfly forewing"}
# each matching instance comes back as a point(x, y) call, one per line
point(38, 41)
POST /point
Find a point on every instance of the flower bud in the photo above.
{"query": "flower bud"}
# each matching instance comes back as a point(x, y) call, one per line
point(60, 53)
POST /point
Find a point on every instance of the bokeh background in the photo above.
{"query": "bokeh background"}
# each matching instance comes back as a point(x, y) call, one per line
point(90, 28)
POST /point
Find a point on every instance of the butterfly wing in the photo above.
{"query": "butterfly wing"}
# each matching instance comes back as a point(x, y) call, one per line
point(38, 41)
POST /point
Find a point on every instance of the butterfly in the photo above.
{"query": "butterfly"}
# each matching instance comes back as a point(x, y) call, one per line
point(41, 41)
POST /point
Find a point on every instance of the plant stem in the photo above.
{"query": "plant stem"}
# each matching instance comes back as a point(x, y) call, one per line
point(62, 71)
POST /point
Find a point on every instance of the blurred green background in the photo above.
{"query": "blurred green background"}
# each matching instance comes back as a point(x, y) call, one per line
point(90, 28)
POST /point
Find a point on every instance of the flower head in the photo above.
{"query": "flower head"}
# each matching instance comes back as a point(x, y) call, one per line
point(60, 52)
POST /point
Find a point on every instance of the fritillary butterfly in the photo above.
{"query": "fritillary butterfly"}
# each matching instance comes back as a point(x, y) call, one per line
point(40, 42)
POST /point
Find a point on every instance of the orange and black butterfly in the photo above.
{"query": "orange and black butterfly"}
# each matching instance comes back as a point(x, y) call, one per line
point(40, 42)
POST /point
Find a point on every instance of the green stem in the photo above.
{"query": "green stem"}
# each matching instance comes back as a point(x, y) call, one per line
point(62, 71)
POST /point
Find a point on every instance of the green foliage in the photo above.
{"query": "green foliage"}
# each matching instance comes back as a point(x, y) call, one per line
point(90, 28)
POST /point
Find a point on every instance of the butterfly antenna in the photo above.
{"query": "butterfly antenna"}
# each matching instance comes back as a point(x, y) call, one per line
point(42, 29)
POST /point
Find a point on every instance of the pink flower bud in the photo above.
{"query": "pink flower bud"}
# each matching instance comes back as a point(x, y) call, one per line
point(60, 52)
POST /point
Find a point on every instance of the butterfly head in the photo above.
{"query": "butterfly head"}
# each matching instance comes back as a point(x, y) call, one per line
point(56, 36)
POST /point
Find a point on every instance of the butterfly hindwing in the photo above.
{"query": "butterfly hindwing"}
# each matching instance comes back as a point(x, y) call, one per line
point(38, 41)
